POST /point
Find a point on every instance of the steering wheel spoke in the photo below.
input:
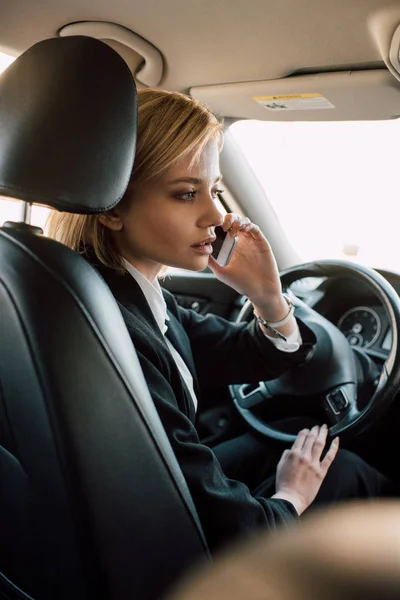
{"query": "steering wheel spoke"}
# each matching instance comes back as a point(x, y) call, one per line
point(250, 395)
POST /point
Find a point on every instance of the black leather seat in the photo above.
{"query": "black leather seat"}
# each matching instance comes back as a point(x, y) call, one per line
point(92, 501)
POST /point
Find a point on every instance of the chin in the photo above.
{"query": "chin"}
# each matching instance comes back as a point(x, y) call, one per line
point(198, 264)
point(201, 264)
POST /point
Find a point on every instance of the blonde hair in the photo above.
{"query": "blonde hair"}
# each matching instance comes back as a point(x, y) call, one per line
point(171, 126)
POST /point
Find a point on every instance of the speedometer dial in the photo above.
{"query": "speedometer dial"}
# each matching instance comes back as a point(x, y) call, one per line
point(361, 326)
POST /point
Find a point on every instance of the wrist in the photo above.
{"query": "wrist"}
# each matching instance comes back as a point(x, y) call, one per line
point(274, 326)
point(293, 499)
point(274, 310)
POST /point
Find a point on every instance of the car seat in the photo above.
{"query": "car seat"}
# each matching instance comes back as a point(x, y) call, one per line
point(92, 501)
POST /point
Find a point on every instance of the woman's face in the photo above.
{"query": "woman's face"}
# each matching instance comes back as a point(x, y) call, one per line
point(170, 220)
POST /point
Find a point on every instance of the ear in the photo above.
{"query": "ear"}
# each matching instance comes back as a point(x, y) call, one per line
point(111, 220)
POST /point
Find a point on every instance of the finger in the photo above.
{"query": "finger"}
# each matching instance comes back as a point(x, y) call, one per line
point(229, 220)
point(310, 441)
point(257, 233)
point(299, 441)
point(284, 453)
point(283, 457)
point(319, 443)
point(330, 455)
point(248, 228)
point(245, 222)
point(234, 223)
point(238, 225)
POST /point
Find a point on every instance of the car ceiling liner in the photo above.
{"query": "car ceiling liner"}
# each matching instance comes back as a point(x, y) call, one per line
point(145, 60)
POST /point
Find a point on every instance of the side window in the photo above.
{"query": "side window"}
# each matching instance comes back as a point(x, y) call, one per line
point(11, 211)
point(5, 61)
point(220, 207)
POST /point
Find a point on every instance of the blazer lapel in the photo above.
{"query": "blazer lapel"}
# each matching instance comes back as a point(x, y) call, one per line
point(178, 338)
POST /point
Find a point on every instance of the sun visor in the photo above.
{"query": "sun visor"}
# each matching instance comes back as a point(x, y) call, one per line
point(338, 96)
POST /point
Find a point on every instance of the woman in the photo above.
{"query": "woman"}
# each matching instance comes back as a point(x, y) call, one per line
point(168, 217)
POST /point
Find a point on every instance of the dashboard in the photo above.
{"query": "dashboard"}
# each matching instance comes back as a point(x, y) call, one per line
point(353, 307)
point(366, 327)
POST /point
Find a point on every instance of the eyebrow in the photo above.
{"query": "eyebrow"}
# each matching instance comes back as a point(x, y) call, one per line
point(194, 180)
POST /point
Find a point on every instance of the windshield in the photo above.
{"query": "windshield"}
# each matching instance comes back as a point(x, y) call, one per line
point(334, 186)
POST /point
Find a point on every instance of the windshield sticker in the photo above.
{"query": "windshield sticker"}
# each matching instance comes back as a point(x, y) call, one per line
point(294, 102)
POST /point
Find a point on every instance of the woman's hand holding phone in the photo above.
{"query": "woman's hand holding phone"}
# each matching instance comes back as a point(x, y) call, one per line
point(252, 270)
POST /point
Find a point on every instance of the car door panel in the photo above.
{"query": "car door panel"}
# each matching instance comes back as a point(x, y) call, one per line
point(204, 293)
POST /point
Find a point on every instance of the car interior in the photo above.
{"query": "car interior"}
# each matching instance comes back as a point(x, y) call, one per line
point(310, 95)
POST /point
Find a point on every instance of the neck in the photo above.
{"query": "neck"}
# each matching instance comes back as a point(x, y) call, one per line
point(149, 269)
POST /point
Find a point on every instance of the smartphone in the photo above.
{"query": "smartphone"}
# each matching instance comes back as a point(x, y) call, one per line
point(223, 247)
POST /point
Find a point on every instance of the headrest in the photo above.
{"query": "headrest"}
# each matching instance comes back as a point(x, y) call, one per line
point(68, 113)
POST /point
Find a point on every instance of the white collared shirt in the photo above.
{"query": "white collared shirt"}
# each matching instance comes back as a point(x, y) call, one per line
point(153, 295)
point(155, 299)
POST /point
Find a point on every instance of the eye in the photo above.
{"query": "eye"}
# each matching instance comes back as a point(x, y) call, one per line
point(217, 192)
point(187, 196)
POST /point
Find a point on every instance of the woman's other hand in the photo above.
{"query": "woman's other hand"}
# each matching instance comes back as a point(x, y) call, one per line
point(300, 472)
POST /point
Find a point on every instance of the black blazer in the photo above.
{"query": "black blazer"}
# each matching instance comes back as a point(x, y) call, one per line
point(217, 352)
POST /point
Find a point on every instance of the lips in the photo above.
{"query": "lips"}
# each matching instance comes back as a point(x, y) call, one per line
point(205, 246)
point(209, 240)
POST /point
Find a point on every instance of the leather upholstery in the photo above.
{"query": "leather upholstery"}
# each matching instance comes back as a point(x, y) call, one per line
point(92, 501)
point(67, 125)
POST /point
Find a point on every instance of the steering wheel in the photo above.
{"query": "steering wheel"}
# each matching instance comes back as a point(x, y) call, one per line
point(328, 378)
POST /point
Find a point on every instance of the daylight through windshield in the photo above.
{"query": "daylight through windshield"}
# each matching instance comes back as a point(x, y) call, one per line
point(334, 186)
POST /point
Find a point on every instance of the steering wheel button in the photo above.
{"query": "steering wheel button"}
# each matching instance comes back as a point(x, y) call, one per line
point(337, 401)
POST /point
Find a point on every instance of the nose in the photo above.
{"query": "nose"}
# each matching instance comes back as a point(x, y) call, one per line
point(211, 216)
